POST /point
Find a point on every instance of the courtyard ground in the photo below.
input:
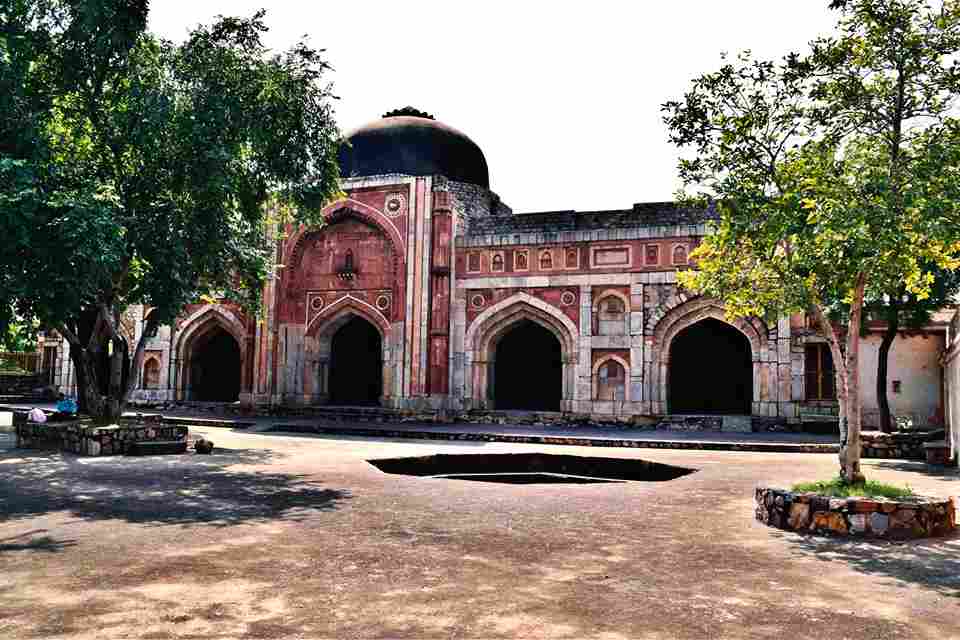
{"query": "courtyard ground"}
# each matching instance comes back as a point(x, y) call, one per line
point(281, 536)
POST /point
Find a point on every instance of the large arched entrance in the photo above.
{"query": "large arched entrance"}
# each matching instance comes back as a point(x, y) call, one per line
point(528, 372)
point(215, 367)
point(711, 370)
point(356, 364)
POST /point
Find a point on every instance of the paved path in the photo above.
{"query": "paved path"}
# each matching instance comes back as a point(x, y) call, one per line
point(586, 435)
point(594, 432)
point(298, 536)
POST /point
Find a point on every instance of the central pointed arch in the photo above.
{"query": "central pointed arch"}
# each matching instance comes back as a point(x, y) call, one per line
point(347, 321)
point(339, 210)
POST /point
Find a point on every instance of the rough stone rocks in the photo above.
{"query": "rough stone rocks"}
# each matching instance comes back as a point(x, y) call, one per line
point(203, 446)
point(879, 522)
point(799, 515)
point(828, 522)
point(874, 518)
point(858, 523)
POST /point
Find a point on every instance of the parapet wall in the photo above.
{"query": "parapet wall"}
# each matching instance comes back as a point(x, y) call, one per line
point(864, 517)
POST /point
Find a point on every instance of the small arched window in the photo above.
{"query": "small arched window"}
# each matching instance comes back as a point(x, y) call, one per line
point(497, 263)
point(611, 317)
point(521, 260)
point(679, 254)
point(546, 261)
point(611, 381)
point(151, 374)
point(348, 261)
point(572, 259)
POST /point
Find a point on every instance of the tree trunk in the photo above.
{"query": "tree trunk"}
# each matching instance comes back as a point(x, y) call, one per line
point(850, 444)
point(102, 409)
point(883, 358)
point(115, 403)
point(80, 376)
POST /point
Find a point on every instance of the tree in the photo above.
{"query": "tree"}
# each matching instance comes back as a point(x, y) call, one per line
point(137, 171)
point(836, 176)
point(901, 310)
point(20, 336)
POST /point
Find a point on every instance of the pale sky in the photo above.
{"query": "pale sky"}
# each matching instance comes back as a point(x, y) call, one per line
point(563, 97)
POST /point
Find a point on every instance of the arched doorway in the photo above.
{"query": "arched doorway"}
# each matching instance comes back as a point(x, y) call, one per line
point(215, 367)
point(711, 370)
point(528, 372)
point(356, 364)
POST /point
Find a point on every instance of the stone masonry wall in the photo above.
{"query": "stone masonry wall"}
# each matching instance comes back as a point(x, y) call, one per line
point(863, 517)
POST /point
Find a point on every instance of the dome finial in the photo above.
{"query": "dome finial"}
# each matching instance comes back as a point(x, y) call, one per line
point(408, 111)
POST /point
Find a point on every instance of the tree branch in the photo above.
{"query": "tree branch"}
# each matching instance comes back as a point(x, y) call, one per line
point(71, 337)
point(148, 331)
point(111, 323)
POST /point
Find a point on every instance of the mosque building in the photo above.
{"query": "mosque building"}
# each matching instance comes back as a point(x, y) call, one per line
point(424, 291)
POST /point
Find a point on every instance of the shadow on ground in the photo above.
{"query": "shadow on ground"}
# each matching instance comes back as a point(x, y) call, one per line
point(159, 490)
point(949, 474)
point(32, 541)
point(372, 438)
point(933, 563)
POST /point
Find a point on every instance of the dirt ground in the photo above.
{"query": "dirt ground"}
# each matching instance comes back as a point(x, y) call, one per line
point(283, 536)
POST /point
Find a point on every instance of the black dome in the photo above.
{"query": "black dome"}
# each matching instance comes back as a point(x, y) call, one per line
point(414, 145)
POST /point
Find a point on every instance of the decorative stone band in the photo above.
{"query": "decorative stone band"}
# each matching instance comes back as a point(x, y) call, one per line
point(904, 519)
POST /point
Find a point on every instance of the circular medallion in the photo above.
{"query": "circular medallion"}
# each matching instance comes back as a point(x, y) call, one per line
point(316, 304)
point(567, 298)
point(383, 302)
point(395, 205)
point(478, 301)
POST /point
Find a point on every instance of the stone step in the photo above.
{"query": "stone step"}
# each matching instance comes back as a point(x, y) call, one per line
point(156, 447)
point(28, 398)
point(568, 440)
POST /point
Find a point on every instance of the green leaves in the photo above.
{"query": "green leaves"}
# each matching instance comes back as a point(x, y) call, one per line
point(133, 170)
point(824, 166)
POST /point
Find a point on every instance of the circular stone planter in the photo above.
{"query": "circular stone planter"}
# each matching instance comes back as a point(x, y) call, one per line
point(903, 519)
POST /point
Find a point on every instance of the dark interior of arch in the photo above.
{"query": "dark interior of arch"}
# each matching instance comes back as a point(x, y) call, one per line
point(711, 370)
point(356, 364)
point(215, 368)
point(528, 369)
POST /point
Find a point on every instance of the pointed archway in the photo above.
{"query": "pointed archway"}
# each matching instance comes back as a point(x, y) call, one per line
point(212, 359)
point(356, 364)
point(487, 332)
point(348, 340)
point(711, 370)
point(528, 369)
point(215, 367)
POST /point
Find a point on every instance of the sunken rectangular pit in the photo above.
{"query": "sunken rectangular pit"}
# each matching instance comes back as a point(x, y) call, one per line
point(531, 468)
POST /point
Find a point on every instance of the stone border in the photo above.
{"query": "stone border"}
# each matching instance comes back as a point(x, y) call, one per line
point(568, 440)
point(905, 519)
point(82, 438)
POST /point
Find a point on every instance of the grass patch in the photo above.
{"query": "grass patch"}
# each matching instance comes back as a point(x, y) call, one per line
point(836, 488)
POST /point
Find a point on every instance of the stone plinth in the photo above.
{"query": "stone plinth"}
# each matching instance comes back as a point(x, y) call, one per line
point(937, 452)
point(85, 439)
point(906, 445)
point(902, 519)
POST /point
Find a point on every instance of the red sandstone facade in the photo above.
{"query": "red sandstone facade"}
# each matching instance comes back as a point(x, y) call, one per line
point(427, 293)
